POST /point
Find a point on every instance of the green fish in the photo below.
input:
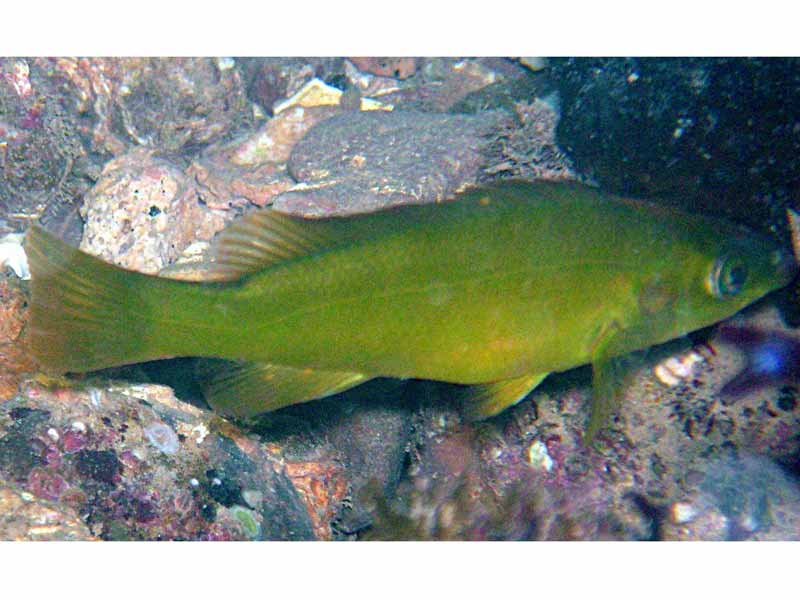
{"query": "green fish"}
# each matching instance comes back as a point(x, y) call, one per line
point(494, 290)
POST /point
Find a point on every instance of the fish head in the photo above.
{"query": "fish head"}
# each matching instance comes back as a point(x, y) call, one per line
point(726, 269)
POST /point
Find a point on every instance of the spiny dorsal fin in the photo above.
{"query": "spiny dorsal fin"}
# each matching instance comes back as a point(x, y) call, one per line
point(244, 389)
point(486, 400)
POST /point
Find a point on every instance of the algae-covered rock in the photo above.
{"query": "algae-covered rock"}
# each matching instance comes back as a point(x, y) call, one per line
point(135, 463)
point(24, 516)
point(365, 161)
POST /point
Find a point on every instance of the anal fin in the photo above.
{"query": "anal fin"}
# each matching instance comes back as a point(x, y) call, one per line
point(245, 389)
point(488, 399)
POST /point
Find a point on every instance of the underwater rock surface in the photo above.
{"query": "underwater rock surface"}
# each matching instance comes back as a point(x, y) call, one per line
point(143, 212)
point(365, 161)
point(135, 463)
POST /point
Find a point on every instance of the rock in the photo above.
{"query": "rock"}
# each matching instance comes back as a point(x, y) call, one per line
point(136, 463)
point(398, 67)
point(14, 361)
point(46, 163)
point(528, 150)
point(710, 133)
point(26, 517)
point(340, 449)
point(746, 497)
point(143, 212)
point(364, 161)
point(167, 103)
point(252, 170)
point(272, 80)
point(677, 422)
point(441, 83)
point(369, 85)
point(317, 93)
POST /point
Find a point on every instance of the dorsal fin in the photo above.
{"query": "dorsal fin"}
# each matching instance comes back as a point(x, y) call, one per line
point(267, 237)
point(264, 238)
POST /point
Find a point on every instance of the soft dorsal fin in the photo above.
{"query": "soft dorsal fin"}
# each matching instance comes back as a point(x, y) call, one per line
point(264, 238)
point(267, 237)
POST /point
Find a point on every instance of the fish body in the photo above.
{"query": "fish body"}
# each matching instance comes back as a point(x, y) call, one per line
point(495, 289)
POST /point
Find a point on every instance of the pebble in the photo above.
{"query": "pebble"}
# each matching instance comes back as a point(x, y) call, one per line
point(539, 457)
point(12, 255)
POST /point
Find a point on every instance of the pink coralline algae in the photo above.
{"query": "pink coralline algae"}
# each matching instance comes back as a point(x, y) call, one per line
point(46, 484)
point(73, 441)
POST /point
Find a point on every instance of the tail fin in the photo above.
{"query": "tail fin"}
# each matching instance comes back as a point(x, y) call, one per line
point(85, 314)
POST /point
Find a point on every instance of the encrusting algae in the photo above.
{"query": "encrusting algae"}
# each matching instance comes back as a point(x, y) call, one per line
point(495, 290)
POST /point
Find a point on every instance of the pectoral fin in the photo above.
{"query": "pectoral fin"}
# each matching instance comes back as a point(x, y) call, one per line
point(244, 389)
point(488, 399)
point(607, 394)
point(610, 364)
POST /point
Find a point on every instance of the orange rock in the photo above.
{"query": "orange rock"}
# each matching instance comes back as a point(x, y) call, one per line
point(14, 361)
point(252, 168)
point(323, 487)
point(397, 67)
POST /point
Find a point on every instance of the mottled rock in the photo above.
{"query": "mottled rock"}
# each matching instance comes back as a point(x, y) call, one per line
point(449, 84)
point(90, 451)
point(25, 517)
point(14, 361)
point(734, 497)
point(441, 83)
point(143, 212)
point(364, 161)
point(272, 80)
point(367, 84)
point(396, 67)
point(252, 169)
point(672, 425)
point(170, 103)
point(45, 164)
point(372, 435)
point(528, 149)
point(339, 450)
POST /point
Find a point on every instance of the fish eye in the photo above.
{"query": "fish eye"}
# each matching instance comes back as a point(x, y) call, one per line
point(727, 277)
